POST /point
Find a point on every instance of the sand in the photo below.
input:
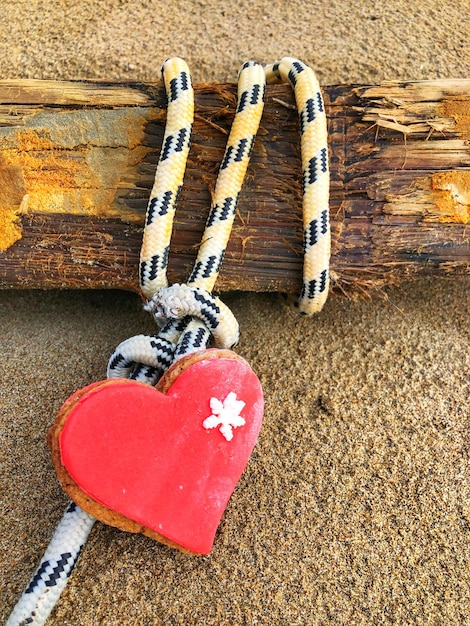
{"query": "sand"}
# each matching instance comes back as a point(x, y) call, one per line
point(355, 507)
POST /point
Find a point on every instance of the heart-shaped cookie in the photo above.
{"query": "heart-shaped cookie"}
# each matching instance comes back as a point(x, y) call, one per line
point(163, 461)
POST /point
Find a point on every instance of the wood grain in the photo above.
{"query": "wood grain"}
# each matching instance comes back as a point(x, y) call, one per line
point(77, 161)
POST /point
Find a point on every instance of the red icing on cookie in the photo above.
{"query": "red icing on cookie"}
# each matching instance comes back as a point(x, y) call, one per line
point(167, 461)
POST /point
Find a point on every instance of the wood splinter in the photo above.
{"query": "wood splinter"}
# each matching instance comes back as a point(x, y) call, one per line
point(77, 161)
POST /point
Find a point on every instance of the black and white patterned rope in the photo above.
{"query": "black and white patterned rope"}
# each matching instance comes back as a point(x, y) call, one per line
point(188, 314)
point(169, 176)
point(179, 301)
point(315, 177)
point(200, 316)
point(51, 576)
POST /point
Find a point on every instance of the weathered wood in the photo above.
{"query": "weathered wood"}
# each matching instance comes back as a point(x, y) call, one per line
point(77, 161)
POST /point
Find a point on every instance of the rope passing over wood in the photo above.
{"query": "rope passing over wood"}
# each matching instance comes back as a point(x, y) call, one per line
point(189, 315)
point(162, 205)
point(169, 177)
point(315, 177)
point(251, 93)
point(188, 326)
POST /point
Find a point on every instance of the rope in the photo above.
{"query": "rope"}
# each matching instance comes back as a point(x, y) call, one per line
point(189, 315)
point(179, 301)
point(205, 313)
point(51, 576)
point(169, 177)
point(315, 176)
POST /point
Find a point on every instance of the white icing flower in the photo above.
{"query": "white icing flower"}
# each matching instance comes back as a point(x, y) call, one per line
point(225, 414)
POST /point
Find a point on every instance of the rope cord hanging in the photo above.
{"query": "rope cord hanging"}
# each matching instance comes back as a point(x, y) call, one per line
point(315, 179)
point(171, 305)
point(189, 316)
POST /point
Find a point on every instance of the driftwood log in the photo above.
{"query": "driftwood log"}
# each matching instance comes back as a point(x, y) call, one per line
point(77, 161)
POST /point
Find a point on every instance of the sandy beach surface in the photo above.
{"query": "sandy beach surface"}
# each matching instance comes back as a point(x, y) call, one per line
point(355, 506)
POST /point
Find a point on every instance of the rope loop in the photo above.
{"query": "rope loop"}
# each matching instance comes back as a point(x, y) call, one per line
point(188, 315)
point(142, 357)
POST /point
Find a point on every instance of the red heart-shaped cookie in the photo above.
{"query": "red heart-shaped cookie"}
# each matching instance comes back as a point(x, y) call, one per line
point(166, 462)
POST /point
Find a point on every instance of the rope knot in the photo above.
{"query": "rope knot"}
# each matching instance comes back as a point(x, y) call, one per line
point(179, 301)
point(171, 303)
